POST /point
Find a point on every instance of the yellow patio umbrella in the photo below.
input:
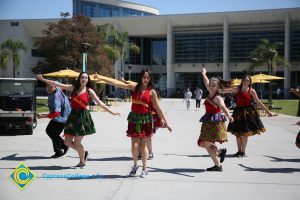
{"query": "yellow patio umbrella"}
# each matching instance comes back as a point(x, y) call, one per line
point(237, 82)
point(63, 73)
point(265, 77)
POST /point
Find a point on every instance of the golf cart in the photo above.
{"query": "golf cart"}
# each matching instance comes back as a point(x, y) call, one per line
point(17, 105)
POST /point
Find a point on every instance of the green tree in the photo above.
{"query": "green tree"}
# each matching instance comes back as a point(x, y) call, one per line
point(266, 54)
point(61, 47)
point(11, 49)
point(117, 44)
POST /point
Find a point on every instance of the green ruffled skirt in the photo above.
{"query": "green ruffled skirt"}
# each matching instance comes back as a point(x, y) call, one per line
point(80, 123)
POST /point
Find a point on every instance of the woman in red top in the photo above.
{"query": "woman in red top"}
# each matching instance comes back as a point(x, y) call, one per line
point(246, 119)
point(213, 127)
point(79, 123)
point(140, 121)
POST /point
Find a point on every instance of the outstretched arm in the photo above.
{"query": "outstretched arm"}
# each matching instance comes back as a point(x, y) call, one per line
point(156, 106)
point(205, 79)
point(228, 90)
point(55, 83)
point(100, 103)
point(221, 104)
point(258, 102)
point(115, 83)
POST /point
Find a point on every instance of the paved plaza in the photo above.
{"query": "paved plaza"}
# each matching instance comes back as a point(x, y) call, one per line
point(270, 171)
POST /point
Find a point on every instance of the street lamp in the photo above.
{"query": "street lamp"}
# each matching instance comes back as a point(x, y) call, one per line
point(129, 71)
point(85, 47)
point(273, 52)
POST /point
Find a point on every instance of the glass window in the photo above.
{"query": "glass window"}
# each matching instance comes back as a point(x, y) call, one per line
point(89, 9)
point(243, 42)
point(198, 47)
point(105, 10)
point(295, 45)
point(159, 51)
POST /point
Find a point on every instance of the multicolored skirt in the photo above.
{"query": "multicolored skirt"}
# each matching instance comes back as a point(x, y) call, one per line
point(298, 140)
point(79, 123)
point(140, 125)
point(246, 122)
point(213, 128)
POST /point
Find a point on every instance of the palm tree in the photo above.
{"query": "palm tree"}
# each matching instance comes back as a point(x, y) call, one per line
point(266, 53)
point(9, 49)
point(117, 44)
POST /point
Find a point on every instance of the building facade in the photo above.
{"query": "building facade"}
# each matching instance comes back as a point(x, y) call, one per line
point(175, 47)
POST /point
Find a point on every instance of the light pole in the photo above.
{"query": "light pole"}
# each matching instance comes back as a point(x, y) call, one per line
point(85, 47)
point(272, 54)
point(129, 71)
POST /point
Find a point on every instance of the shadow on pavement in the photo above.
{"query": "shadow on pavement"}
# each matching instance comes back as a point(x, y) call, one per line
point(191, 156)
point(45, 168)
point(178, 171)
point(275, 159)
point(93, 177)
point(271, 170)
point(13, 157)
point(123, 158)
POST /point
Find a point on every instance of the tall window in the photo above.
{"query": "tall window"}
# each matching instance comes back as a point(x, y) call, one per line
point(89, 9)
point(295, 44)
point(198, 47)
point(243, 42)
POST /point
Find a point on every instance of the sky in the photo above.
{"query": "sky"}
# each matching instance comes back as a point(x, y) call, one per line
point(44, 9)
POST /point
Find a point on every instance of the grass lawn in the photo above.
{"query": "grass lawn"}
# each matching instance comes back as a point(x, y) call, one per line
point(42, 108)
point(289, 107)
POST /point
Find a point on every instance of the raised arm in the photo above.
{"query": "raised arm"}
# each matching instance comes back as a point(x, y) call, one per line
point(156, 106)
point(221, 104)
point(258, 102)
point(57, 84)
point(205, 79)
point(115, 83)
point(228, 90)
point(100, 103)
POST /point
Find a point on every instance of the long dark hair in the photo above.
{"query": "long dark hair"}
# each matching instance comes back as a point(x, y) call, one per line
point(76, 84)
point(221, 82)
point(244, 77)
point(140, 82)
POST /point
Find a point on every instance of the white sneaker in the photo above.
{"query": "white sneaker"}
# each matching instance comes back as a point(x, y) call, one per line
point(133, 170)
point(144, 173)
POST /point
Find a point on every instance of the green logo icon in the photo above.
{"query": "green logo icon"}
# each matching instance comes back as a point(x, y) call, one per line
point(22, 176)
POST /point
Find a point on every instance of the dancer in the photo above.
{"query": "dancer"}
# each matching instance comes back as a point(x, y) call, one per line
point(156, 125)
point(79, 123)
point(297, 93)
point(213, 127)
point(59, 107)
point(140, 121)
point(246, 118)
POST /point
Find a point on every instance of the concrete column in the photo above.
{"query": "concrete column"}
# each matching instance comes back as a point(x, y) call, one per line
point(287, 72)
point(170, 71)
point(226, 74)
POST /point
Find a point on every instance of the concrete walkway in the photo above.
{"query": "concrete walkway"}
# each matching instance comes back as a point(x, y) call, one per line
point(271, 170)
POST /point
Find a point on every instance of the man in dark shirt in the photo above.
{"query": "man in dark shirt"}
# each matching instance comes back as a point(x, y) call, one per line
point(59, 107)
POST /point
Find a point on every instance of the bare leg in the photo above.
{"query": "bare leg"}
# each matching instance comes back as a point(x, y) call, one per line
point(144, 152)
point(135, 143)
point(239, 143)
point(244, 143)
point(212, 151)
point(69, 141)
point(79, 147)
point(149, 145)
